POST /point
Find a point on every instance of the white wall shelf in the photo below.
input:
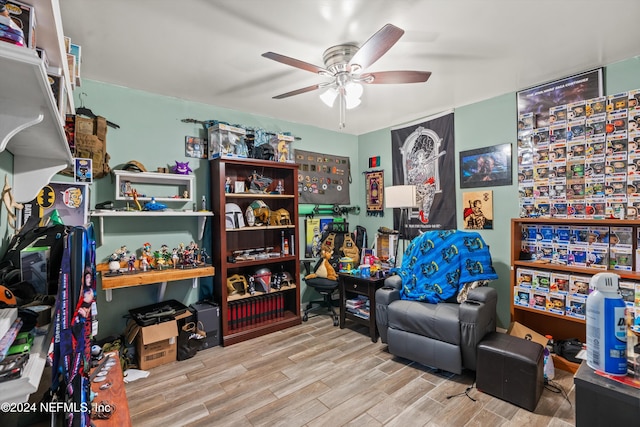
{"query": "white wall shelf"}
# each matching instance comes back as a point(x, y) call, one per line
point(164, 187)
point(31, 125)
point(201, 215)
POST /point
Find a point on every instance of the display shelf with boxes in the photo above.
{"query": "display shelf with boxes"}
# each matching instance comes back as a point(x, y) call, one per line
point(256, 229)
point(552, 262)
point(31, 122)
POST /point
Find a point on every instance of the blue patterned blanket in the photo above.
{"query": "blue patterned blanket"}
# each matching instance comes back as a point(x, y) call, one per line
point(437, 264)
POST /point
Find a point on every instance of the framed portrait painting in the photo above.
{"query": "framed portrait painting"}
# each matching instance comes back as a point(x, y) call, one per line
point(486, 167)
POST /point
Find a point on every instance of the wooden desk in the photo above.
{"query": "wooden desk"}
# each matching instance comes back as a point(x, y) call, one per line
point(351, 286)
point(115, 395)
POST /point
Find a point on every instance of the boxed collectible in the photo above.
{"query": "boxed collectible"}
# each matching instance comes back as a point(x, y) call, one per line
point(559, 283)
point(556, 303)
point(628, 292)
point(227, 141)
point(620, 258)
point(598, 257)
point(24, 16)
point(538, 300)
point(282, 147)
point(521, 296)
point(10, 33)
point(69, 199)
point(579, 285)
point(541, 280)
point(576, 306)
point(525, 277)
point(76, 51)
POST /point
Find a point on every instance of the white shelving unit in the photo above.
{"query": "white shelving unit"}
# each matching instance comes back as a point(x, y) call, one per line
point(32, 130)
point(31, 126)
point(18, 390)
point(164, 187)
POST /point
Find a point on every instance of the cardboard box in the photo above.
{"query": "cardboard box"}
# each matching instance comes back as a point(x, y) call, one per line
point(517, 329)
point(155, 344)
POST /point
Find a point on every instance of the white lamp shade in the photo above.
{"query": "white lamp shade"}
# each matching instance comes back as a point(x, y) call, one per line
point(329, 96)
point(400, 196)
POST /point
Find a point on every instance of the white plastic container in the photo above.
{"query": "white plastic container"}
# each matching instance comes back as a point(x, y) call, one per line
point(606, 326)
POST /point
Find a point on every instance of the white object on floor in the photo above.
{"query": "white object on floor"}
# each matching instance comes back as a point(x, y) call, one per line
point(131, 375)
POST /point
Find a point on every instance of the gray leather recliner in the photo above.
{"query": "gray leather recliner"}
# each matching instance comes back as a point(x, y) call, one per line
point(443, 335)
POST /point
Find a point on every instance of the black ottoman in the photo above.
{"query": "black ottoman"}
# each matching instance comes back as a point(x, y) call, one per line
point(511, 369)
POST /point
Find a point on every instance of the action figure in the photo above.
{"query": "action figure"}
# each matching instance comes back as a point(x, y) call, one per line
point(131, 264)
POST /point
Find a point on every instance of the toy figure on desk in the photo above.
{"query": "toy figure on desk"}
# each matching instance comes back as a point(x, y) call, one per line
point(131, 264)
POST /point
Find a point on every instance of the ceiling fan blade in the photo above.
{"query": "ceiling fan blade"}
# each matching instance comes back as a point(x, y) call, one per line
point(393, 77)
point(376, 46)
point(298, 91)
point(296, 63)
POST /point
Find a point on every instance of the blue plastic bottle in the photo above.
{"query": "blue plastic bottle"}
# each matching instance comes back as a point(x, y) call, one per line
point(606, 326)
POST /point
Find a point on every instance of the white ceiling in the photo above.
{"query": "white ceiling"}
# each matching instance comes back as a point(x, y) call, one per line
point(209, 51)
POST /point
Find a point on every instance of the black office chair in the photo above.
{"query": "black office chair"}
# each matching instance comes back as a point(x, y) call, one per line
point(326, 288)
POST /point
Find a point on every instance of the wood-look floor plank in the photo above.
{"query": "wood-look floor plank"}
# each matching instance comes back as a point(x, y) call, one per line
point(315, 374)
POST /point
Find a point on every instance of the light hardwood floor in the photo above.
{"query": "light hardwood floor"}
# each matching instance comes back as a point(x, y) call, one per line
point(316, 374)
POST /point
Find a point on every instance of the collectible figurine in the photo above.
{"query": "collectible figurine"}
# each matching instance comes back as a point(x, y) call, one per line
point(204, 255)
point(131, 264)
point(147, 256)
point(227, 185)
point(174, 257)
point(154, 206)
point(182, 168)
point(115, 258)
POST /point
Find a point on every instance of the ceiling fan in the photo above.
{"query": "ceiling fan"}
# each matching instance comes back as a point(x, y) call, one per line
point(345, 65)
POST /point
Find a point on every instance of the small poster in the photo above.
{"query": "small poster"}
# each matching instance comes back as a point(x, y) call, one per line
point(478, 210)
point(312, 238)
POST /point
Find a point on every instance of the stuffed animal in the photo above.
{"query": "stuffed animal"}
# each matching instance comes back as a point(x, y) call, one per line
point(324, 269)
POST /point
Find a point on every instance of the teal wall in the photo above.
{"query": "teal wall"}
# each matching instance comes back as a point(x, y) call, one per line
point(152, 133)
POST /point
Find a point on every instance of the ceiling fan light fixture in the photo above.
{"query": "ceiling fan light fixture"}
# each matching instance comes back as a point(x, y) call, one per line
point(329, 96)
point(354, 90)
